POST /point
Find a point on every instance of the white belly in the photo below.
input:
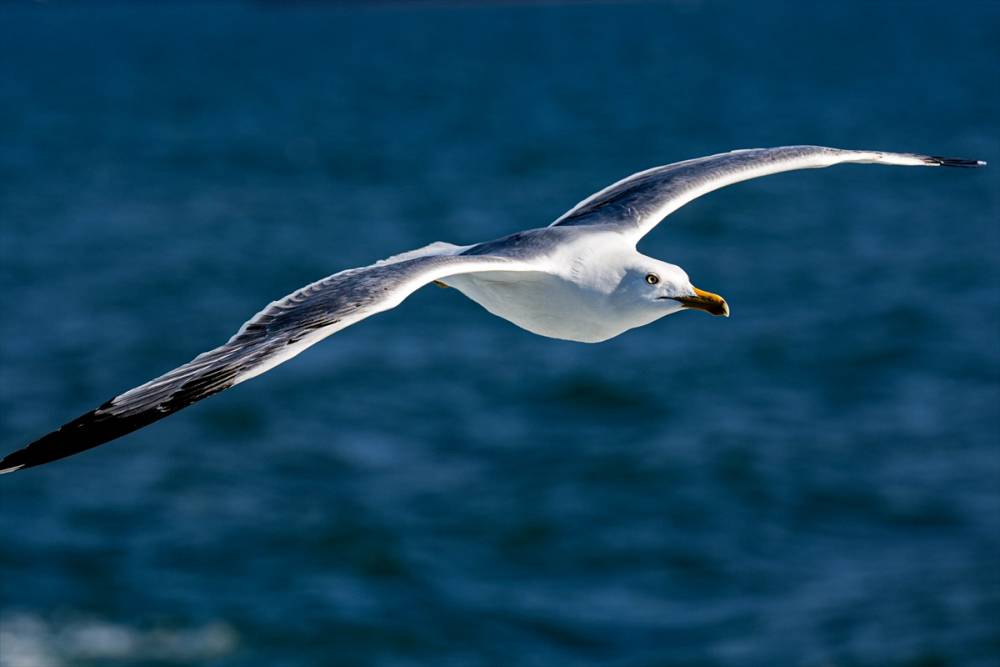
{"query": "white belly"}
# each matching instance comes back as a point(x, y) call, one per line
point(544, 304)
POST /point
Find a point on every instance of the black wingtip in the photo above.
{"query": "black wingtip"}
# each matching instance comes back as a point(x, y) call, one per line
point(85, 432)
point(955, 162)
point(15, 461)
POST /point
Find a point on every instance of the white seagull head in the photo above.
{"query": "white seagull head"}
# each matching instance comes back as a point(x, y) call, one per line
point(656, 289)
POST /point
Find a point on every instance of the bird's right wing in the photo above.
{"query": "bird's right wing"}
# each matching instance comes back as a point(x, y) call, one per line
point(279, 332)
point(639, 202)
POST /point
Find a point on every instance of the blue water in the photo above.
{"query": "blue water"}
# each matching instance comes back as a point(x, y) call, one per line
point(815, 481)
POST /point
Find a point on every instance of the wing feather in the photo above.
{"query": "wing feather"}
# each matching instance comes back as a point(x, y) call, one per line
point(639, 202)
point(279, 332)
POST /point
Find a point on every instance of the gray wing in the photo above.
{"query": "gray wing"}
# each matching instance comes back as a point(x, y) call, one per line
point(279, 332)
point(638, 203)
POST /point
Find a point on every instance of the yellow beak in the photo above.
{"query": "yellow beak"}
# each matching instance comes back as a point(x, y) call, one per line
point(702, 300)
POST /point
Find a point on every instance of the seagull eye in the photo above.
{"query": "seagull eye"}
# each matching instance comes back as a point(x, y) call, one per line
point(652, 278)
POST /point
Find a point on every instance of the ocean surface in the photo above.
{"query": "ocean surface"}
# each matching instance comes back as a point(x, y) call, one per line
point(814, 481)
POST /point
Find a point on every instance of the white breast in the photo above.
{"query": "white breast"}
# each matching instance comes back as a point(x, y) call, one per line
point(543, 304)
point(574, 298)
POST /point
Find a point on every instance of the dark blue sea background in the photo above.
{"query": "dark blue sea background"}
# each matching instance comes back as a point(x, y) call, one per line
point(814, 481)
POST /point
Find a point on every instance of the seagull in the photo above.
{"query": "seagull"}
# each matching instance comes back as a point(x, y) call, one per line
point(580, 279)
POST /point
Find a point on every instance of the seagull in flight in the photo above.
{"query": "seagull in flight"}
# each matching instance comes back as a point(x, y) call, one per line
point(580, 278)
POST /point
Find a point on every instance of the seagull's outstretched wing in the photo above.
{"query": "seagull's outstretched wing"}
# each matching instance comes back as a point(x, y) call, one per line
point(638, 203)
point(274, 335)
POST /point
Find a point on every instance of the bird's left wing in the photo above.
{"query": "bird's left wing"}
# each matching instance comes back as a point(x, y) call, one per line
point(638, 203)
point(279, 332)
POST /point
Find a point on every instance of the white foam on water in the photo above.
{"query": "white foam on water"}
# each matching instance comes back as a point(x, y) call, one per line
point(29, 640)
